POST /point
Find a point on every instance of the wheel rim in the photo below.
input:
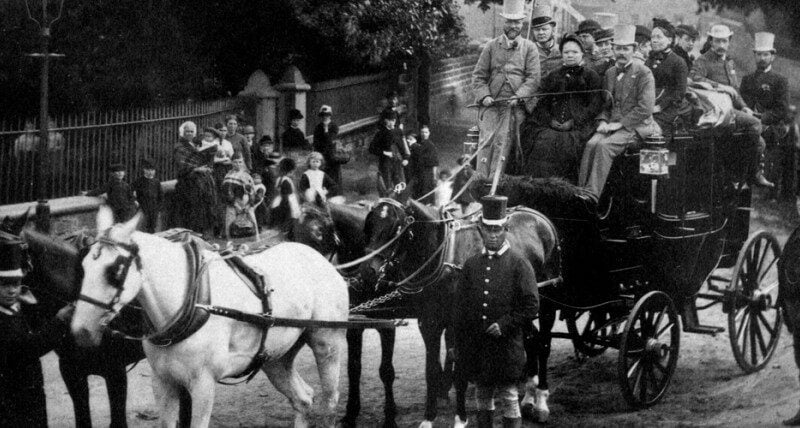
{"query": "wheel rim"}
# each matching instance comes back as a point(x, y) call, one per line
point(649, 350)
point(591, 331)
point(754, 318)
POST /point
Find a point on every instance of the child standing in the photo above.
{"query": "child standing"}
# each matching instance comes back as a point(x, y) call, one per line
point(119, 194)
point(239, 191)
point(315, 183)
point(147, 190)
point(285, 208)
point(425, 161)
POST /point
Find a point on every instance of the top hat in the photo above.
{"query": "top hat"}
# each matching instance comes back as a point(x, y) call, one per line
point(513, 9)
point(688, 30)
point(720, 31)
point(325, 110)
point(765, 42)
point(494, 210)
point(249, 130)
point(642, 33)
point(10, 259)
point(542, 15)
point(624, 34)
point(603, 34)
point(114, 167)
point(295, 114)
point(606, 19)
point(588, 26)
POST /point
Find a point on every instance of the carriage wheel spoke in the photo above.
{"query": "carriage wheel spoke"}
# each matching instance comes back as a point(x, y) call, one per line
point(752, 337)
point(765, 271)
point(761, 261)
point(660, 367)
point(634, 367)
point(764, 321)
point(743, 324)
point(658, 321)
point(664, 329)
point(752, 258)
point(759, 336)
point(643, 385)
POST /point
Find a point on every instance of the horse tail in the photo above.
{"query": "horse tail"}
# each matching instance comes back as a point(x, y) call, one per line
point(789, 281)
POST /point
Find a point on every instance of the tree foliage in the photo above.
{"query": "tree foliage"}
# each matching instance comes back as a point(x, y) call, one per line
point(134, 52)
point(783, 14)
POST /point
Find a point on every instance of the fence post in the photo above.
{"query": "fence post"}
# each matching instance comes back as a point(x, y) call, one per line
point(294, 87)
point(265, 97)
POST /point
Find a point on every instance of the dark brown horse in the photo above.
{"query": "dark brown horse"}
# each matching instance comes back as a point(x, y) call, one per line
point(54, 275)
point(420, 257)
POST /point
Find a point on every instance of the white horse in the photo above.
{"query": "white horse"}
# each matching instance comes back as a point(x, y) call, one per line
point(125, 265)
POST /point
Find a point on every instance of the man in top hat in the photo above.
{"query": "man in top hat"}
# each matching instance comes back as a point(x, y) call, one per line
point(543, 27)
point(626, 117)
point(25, 336)
point(604, 53)
point(507, 70)
point(716, 68)
point(495, 300)
point(685, 37)
point(586, 30)
point(767, 93)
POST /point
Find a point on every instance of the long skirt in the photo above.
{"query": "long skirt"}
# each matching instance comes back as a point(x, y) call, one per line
point(555, 153)
point(196, 195)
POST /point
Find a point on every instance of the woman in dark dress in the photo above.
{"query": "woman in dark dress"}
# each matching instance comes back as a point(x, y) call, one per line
point(325, 134)
point(195, 191)
point(561, 124)
point(670, 72)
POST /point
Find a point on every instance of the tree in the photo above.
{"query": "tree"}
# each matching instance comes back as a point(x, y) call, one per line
point(781, 13)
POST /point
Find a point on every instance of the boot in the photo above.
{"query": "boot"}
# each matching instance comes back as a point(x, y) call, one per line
point(512, 422)
point(485, 418)
point(794, 421)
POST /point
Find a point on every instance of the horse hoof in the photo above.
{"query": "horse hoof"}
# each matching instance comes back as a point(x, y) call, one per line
point(459, 423)
point(426, 424)
point(541, 413)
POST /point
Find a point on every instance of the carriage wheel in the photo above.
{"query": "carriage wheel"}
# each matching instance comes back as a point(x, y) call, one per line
point(648, 350)
point(754, 318)
point(589, 330)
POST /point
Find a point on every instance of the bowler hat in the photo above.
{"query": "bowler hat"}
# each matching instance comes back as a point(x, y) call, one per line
point(642, 33)
point(588, 26)
point(388, 114)
point(10, 259)
point(513, 9)
point(148, 164)
point(603, 34)
point(720, 31)
point(295, 114)
point(688, 30)
point(248, 129)
point(765, 42)
point(624, 34)
point(542, 15)
point(494, 210)
point(114, 167)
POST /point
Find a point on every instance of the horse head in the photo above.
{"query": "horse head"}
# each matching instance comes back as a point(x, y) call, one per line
point(315, 228)
point(112, 277)
point(383, 227)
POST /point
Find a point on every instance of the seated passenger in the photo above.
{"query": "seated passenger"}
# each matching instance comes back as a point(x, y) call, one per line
point(716, 68)
point(626, 118)
point(563, 123)
point(670, 73)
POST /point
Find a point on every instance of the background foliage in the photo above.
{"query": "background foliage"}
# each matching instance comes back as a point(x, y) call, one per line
point(134, 52)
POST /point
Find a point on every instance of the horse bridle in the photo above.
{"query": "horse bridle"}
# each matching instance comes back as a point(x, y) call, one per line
point(390, 259)
point(117, 272)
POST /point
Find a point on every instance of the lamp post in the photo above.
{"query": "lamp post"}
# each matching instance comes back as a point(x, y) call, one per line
point(44, 23)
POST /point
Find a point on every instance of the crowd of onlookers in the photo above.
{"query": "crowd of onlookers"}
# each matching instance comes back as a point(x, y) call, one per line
point(229, 185)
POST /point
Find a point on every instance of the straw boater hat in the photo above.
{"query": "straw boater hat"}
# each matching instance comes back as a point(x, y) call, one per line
point(494, 210)
point(720, 31)
point(513, 10)
point(765, 42)
point(11, 259)
point(542, 15)
point(624, 34)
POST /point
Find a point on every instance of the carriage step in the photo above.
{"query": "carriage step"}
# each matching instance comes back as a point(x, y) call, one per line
point(703, 329)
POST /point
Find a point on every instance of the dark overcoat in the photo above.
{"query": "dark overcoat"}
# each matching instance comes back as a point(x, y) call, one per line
point(22, 341)
point(499, 288)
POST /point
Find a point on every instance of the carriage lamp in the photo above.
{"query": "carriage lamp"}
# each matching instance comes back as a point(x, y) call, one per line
point(654, 158)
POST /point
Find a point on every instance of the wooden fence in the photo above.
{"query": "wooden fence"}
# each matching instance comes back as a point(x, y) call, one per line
point(82, 146)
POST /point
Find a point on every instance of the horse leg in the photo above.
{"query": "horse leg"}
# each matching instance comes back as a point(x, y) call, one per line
point(355, 341)
point(531, 342)
point(327, 347)
point(168, 399)
point(78, 388)
point(432, 337)
point(202, 390)
point(547, 319)
point(117, 387)
point(386, 372)
point(285, 378)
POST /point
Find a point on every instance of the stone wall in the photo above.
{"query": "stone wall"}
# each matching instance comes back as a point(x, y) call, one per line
point(450, 90)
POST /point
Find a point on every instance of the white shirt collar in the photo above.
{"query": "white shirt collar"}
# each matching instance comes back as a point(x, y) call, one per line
point(500, 252)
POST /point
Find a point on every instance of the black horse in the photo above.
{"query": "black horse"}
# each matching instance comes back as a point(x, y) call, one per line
point(54, 275)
